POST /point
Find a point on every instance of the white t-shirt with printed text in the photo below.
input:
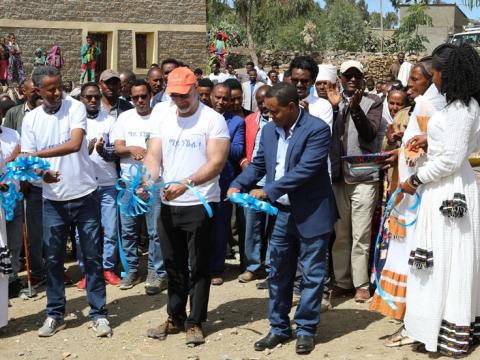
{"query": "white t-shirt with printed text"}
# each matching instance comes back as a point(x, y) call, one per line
point(101, 127)
point(134, 129)
point(42, 131)
point(184, 148)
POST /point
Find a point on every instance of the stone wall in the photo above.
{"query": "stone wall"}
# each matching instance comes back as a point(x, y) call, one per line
point(125, 59)
point(69, 40)
point(139, 11)
point(375, 64)
point(187, 47)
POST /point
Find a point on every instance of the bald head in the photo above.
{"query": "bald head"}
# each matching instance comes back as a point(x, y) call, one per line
point(155, 79)
point(30, 94)
point(127, 79)
point(260, 98)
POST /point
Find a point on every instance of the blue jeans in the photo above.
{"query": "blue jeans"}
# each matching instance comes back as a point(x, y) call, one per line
point(15, 238)
point(254, 234)
point(221, 233)
point(131, 238)
point(34, 218)
point(108, 215)
point(286, 247)
point(84, 213)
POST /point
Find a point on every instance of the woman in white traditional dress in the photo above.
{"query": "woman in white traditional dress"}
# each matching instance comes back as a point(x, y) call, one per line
point(393, 279)
point(443, 302)
point(5, 264)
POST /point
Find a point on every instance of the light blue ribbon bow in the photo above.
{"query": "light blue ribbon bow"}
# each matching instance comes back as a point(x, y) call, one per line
point(249, 202)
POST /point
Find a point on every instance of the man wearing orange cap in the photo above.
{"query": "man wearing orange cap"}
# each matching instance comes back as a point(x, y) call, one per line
point(190, 143)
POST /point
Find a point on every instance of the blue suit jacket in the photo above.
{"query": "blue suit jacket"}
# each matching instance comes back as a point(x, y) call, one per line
point(306, 179)
point(236, 128)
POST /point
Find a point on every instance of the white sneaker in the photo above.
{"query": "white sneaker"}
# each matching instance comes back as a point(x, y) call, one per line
point(102, 328)
point(50, 327)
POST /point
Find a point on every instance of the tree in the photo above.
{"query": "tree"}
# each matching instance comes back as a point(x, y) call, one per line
point(471, 3)
point(363, 7)
point(407, 36)
point(345, 26)
point(390, 20)
point(244, 9)
point(375, 19)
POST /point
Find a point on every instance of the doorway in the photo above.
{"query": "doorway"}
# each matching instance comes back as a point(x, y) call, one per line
point(101, 41)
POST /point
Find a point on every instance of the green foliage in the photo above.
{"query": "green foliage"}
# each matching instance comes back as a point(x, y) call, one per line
point(345, 27)
point(471, 3)
point(390, 20)
point(407, 36)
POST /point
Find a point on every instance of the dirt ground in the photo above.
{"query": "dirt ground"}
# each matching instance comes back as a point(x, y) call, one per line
point(237, 318)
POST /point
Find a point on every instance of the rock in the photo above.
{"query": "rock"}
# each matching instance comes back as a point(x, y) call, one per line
point(267, 351)
point(66, 355)
point(234, 331)
point(193, 357)
point(21, 353)
point(226, 357)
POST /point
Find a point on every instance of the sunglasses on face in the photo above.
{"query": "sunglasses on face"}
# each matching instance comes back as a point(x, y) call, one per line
point(348, 76)
point(91, 97)
point(303, 81)
point(136, 97)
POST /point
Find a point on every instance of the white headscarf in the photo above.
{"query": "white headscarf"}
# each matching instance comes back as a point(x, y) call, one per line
point(327, 72)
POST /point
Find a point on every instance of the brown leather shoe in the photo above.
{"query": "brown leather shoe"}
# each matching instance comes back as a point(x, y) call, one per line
point(362, 295)
point(247, 276)
point(161, 331)
point(216, 280)
point(195, 336)
point(338, 292)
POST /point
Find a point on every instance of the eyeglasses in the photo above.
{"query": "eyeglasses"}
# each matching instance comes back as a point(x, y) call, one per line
point(348, 76)
point(90, 97)
point(136, 97)
point(296, 81)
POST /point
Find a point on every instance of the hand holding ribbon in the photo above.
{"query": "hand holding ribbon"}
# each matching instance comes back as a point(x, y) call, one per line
point(249, 202)
point(27, 168)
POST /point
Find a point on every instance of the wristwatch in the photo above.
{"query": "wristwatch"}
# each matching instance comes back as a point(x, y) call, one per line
point(415, 181)
point(189, 182)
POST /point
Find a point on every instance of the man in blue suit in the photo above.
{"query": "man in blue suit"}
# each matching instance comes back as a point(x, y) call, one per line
point(293, 155)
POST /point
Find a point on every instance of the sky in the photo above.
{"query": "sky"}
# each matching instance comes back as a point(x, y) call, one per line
point(374, 5)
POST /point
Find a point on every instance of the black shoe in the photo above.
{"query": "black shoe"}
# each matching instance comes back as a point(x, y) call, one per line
point(269, 342)
point(14, 288)
point(262, 285)
point(305, 344)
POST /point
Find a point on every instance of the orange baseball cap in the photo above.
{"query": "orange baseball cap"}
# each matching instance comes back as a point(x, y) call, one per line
point(180, 80)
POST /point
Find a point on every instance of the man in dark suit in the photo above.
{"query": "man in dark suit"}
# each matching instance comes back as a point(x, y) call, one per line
point(293, 155)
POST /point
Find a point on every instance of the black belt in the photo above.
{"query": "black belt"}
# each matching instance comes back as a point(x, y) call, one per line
point(281, 207)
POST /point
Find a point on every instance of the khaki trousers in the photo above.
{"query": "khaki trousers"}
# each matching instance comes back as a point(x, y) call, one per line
point(356, 204)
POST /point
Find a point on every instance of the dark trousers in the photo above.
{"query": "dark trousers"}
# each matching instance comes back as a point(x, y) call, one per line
point(286, 247)
point(221, 234)
point(185, 233)
point(84, 213)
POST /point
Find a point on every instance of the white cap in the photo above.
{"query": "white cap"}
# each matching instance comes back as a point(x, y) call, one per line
point(327, 72)
point(349, 65)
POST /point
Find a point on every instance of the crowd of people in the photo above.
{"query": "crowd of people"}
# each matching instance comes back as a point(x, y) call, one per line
point(282, 137)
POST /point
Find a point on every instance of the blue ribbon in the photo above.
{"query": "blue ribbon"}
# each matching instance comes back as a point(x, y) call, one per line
point(25, 168)
point(129, 203)
point(9, 200)
point(249, 202)
point(388, 208)
point(200, 197)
